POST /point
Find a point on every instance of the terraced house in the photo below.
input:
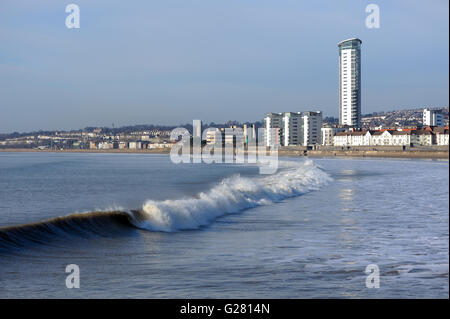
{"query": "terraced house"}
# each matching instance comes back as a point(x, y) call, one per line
point(422, 137)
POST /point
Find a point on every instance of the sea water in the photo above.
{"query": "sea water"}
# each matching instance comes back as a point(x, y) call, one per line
point(139, 226)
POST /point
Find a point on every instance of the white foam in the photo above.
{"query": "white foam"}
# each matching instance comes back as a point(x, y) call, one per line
point(232, 195)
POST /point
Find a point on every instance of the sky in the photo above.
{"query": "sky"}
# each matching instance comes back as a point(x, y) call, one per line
point(168, 62)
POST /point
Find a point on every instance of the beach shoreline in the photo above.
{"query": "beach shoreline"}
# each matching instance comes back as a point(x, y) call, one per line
point(439, 153)
point(415, 153)
point(117, 151)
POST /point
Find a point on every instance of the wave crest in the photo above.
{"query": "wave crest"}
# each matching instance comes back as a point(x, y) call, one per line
point(232, 195)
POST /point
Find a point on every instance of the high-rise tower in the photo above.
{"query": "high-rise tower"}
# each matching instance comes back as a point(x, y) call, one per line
point(350, 82)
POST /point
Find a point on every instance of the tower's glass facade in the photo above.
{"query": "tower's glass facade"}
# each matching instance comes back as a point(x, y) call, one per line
point(350, 82)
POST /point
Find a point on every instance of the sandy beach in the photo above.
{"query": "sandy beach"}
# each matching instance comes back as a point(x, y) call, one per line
point(436, 152)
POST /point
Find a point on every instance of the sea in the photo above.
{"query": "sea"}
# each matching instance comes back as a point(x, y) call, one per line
point(141, 226)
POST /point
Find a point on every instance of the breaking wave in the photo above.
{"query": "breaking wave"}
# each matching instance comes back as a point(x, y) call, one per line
point(79, 225)
point(232, 195)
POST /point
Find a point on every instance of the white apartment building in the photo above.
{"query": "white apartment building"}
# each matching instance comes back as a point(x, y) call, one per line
point(433, 118)
point(159, 145)
point(283, 129)
point(390, 138)
point(422, 137)
point(273, 121)
point(327, 135)
point(380, 138)
point(350, 82)
point(349, 138)
point(442, 137)
point(293, 128)
point(342, 139)
point(385, 138)
point(228, 136)
point(402, 138)
point(134, 145)
point(105, 146)
point(312, 124)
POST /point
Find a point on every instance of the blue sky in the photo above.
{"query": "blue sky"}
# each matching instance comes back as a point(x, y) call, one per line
point(167, 62)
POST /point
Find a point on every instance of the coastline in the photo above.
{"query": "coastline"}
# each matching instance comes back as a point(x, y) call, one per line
point(424, 152)
point(427, 153)
point(380, 154)
point(118, 151)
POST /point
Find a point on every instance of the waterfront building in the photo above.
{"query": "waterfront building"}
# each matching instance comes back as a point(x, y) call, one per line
point(381, 138)
point(105, 146)
point(312, 124)
point(423, 137)
point(273, 123)
point(328, 133)
point(293, 128)
point(433, 117)
point(348, 138)
point(402, 138)
point(350, 82)
point(387, 138)
point(134, 145)
point(442, 137)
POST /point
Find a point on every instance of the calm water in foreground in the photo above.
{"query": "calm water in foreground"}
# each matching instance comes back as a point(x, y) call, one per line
point(222, 231)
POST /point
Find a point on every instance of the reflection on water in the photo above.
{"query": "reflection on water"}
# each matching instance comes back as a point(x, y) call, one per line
point(348, 175)
point(346, 194)
point(348, 172)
